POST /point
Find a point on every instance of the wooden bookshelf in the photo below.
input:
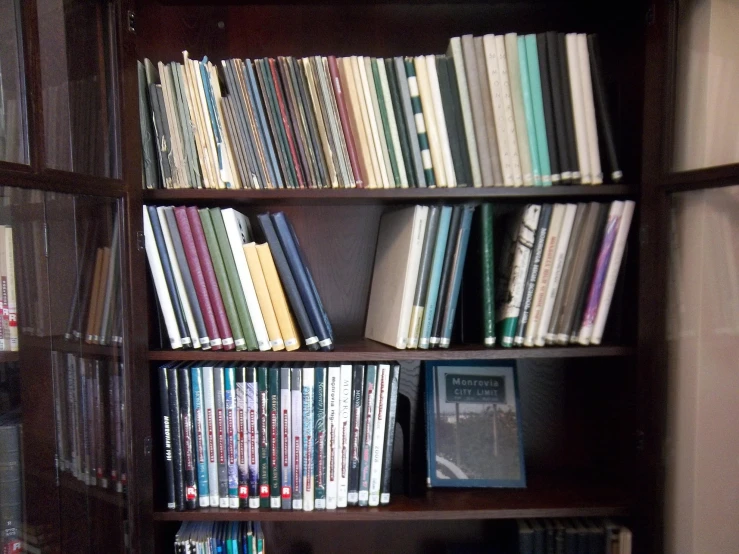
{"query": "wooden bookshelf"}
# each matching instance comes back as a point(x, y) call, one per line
point(7, 357)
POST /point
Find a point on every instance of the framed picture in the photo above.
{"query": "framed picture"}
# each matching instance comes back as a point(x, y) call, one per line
point(473, 425)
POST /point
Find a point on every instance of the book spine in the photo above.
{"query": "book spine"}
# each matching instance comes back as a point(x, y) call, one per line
point(546, 92)
point(232, 436)
point(355, 440)
point(424, 270)
point(378, 438)
point(488, 274)
point(296, 439)
point(495, 81)
point(487, 110)
point(243, 428)
point(201, 444)
point(455, 45)
point(441, 127)
point(252, 406)
point(166, 436)
point(264, 482)
point(519, 114)
point(189, 469)
point(538, 105)
point(399, 117)
point(387, 464)
point(211, 434)
point(478, 114)
point(578, 110)
point(265, 302)
point(345, 391)
point(308, 439)
point(344, 118)
point(319, 456)
point(274, 437)
point(596, 172)
point(421, 129)
point(446, 270)
point(286, 432)
point(432, 293)
point(219, 394)
point(174, 411)
point(528, 106)
point(558, 98)
point(367, 434)
point(332, 435)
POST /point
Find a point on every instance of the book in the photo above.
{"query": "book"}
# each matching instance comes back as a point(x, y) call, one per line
point(296, 439)
point(437, 260)
point(488, 114)
point(276, 295)
point(546, 93)
point(200, 436)
point(261, 290)
point(211, 433)
point(445, 280)
point(355, 439)
point(232, 435)
point(440, 120)
point(487, 276)
point(392, 404)
point(275, 442)
point(429, 116)
point(343, 434)
point(167, 436)
point(264, 436)
point(578, 110)
point(420, 123)
point(422, 281)
point(589, 109)
point(519, 114)
point(528, 107)
point(558, 108)
point(378, 435)
point(537, 101)
point(308, 479)
point(189, 469)
point(219, 395)
point(254, 434)
point(286, 439)
point(176, 433)
point(333, 405)
point(320, 425)
point(243, 427)
point(367, 434)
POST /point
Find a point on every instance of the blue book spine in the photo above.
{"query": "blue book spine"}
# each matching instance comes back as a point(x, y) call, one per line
point(232, 442)
point(538, 103)
point(432, 294)
point(307, 292)
point(457, 271)
point(201, 444)
point(528, 109)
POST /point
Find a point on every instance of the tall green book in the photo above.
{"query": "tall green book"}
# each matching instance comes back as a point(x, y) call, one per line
point(528, 108)
point(220, 270)
point(382, 104)
point(262, 378)
point(319, 421)
point(273, 426)
point(488, 274)
point(233, 279)
point(538, 102)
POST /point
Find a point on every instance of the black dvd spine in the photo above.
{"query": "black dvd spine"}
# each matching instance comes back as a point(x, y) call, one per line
point(387, 462)
point(355, 442)
point(167, 436)
point(174, 421)
point(189, 470)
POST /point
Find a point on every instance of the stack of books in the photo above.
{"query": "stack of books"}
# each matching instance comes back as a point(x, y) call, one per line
point(219, 290)
point(299, 436)
point(494, 111)
point(583, 535)
point(216, 537)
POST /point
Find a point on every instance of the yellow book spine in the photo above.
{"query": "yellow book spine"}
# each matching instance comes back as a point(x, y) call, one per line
point(92, 306)
point(277, 295)
point(265, 302)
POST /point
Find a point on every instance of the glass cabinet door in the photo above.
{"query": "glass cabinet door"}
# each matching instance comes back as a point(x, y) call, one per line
point(79, 80)
point(13, 129)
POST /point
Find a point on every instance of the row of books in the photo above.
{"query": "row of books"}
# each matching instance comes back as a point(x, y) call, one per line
point(494, 111)
point(220, 290)
point(96, 312)
point(8, 304)
point(216, 537)
point(11, 483)
point(89, 404)
point(282, 436)
point(573, 536)
point(557, 272)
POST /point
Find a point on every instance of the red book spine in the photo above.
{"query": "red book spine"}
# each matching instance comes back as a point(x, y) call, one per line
point(201, 289)
point(286, 124)
point(333, 69)
point(209, 275)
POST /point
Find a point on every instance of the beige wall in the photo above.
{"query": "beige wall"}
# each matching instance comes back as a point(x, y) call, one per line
point(702, 449)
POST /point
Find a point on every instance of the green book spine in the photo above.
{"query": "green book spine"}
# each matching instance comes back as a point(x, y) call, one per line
point(528, 108)
point(220, 270)
point(233, 279)
point(488, 274)
point(263, 437)
point(423, 139)
point(385, 122)
point(538, 103)
point(273, 391)
point(319, 407)
point(397, 113)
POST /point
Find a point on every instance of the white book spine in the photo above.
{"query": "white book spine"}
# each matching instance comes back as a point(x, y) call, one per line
point(614, 265)
point(365, 140)
point(309, 480)
point(519, 114)
point(373, 122)
point(155, 264)
point(510, 122)
point(345, 394)
point(179, 283)
point(411, 275)
point(446, 150)
point(496, 100)
point(464, 100)
point(236, 228)
point(578, 110)
point(332, 427)
point(286, 433)
point(429, 117)
point(12, 306)
point(393, 124)
point(296, 400)
point(559, 260)
point(209, 413)
point(378, 438)
point(375, 105)
point(545, 272)
point(596, 174)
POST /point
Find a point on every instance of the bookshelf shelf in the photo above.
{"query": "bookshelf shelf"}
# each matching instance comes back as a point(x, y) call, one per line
point(368, 350)
point(358, 196)
point(7, 357)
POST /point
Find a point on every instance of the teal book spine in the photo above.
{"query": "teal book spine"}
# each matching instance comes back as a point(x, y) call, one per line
point(457, 271)
point(528, 109)
point(538, 102)
point(432, 293)
point(263, 437)
point(488, 274)
point(232, 436)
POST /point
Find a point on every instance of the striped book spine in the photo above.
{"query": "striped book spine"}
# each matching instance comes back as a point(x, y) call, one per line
point(423, 140)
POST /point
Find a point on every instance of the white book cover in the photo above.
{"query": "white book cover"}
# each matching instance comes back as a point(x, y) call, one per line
point(496, 101)
point(391, 111)
point(455, 46)
point(239, 234)
point(545, 272)
point(559, 259)
point(160, 285)
point(374, 106)
point(179, 283)
point(345, 401)
point(309, 480)
point(332, 428)
point(429, 117)
point(209, 413)
point(373, 123)
point(578, 110)
point(510, 121)
point(446, 150)
point(614, 265)
point(591, 127)
point(378, 438)
point(363, 125)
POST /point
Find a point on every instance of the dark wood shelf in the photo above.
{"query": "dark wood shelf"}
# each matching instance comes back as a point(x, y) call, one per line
point(7, 357)
point(382, 196)
point(544, 499)
point(364, 349)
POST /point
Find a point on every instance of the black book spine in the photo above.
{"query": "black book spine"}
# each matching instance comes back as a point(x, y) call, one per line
point(355, 441)
point(162, 153)
point(263, 396)
point(460, 137)
point(558, 103)
point(312, 123)
point(546, 92)
point(167, 436)
point(219, 402)
point(564, 76)
point(601, 106)
point(237, 142)
point(174, 421)
point(274, 437)
point(446, 271)
point(387, 462)
point(189, 470)
point(397, 113)
point(450, 119)
point(288, 282)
